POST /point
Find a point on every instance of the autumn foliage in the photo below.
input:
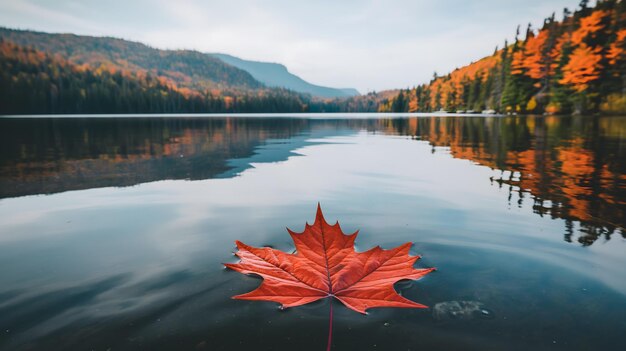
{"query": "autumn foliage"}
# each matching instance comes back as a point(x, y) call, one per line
point(583, 67)
point(325, 265)
point(37, 82)
point(573, 65)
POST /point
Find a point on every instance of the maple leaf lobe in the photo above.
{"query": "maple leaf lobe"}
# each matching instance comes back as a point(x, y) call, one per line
point(325, 264)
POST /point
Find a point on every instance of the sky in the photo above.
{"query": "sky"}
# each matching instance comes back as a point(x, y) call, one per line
point(370, 45)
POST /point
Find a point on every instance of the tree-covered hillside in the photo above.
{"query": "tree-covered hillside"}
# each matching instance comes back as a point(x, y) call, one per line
point(185, 68)
point(34, 82)
point(576, 65)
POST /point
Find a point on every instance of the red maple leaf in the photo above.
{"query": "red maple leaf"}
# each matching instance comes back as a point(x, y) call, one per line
point(326, 265)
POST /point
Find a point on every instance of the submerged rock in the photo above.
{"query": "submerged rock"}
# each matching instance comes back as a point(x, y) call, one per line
point(460, 310)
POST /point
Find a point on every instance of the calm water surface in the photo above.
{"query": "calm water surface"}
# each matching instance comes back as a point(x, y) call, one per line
point(113, 231)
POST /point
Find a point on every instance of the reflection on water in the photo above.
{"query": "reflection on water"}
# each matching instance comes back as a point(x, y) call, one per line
point(125, 249)
point(572, 168)
point(53, 155)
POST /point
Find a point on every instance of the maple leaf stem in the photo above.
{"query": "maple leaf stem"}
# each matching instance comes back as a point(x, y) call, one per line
point(330, 326)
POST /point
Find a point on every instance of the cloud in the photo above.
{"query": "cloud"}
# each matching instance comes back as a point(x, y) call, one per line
point(24, 14)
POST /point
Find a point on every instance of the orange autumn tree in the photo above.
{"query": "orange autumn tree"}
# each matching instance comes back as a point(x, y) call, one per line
point(556, 54)
point(534, 60)
point(616, 50)
point(584, 65)
point(589, 26)
point(582, 68)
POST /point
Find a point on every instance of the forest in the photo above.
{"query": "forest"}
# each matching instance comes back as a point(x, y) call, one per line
point(576, 65)
point(35, 82)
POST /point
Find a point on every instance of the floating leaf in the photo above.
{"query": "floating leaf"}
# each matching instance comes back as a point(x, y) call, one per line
point(326, 265)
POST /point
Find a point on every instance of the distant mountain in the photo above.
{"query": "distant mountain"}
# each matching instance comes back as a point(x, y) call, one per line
point(277, 75)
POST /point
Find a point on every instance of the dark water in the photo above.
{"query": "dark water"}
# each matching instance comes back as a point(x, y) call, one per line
point(113, 231)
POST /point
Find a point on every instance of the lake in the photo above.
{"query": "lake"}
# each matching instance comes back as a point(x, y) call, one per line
point(113, 231)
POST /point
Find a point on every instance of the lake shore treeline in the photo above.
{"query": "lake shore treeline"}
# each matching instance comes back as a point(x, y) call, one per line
point(573, 66)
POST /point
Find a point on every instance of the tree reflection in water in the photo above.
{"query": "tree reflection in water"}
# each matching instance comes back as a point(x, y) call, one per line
point(572, 168)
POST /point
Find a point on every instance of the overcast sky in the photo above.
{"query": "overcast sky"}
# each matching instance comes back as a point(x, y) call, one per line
point(368, 45)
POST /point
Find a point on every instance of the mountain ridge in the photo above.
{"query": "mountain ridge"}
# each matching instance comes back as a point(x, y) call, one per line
point(277, 75)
